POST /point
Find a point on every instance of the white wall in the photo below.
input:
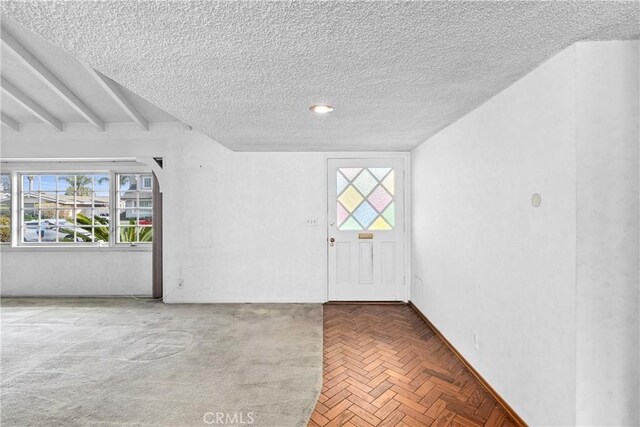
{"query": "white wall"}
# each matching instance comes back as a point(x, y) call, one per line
point(607, 247)
point(486, 260)
point(71, 272)
point(242, 236)
point(234, 223)
point(491, 263)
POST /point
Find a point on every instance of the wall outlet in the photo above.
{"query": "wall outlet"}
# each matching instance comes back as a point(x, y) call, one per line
point(474, 340)
point(311, 221)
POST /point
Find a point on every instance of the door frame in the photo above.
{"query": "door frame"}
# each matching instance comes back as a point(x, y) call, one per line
point(406, 161)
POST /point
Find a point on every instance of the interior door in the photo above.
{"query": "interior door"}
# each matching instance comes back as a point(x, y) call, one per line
point(366, 229)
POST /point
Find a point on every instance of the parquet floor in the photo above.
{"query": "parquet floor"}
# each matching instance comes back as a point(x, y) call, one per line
point(383, 366)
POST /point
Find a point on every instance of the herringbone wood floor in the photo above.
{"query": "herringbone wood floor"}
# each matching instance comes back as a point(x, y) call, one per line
point(383, 366)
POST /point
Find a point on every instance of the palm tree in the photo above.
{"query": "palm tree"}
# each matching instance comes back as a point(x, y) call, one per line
point(124, 179)
point(80, 185)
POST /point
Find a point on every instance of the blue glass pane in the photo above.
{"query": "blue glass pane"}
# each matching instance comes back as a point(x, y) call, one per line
point(379, 172)
point(365, 214)
point(341, 182)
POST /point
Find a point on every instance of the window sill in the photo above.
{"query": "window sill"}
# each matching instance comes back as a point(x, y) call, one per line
point(123, 248)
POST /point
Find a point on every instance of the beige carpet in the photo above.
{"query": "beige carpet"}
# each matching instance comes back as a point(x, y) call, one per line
point(102, 362)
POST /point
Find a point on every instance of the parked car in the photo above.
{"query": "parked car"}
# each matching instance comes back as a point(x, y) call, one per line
point(50, 230)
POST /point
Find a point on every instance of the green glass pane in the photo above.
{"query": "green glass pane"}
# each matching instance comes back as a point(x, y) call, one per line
point(390, 214)
point(350, 224)
point(365, 182)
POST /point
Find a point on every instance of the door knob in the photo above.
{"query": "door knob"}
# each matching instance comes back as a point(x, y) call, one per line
point(331, 241)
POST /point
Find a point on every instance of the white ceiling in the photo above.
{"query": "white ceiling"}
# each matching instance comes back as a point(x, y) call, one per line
point(246, 72)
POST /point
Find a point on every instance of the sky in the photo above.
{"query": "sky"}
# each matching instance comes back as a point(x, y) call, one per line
point(51, 183)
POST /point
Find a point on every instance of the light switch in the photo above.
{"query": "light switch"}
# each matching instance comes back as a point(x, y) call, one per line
point(311, 221)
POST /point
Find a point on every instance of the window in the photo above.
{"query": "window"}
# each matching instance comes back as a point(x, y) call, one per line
point(365, 199)
point(64, 208)
point(5, 208)
point(135, 208)
point(76, 208)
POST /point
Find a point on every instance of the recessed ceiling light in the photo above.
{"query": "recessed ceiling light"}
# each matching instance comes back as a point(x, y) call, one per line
point(321, 108)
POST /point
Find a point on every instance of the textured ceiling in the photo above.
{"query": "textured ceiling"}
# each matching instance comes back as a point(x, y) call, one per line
point(245, 72)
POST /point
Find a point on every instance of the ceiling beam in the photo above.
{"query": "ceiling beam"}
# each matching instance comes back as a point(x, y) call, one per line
point(9, 122)
point(29, 104)
point(42, 72)
point(116, 94)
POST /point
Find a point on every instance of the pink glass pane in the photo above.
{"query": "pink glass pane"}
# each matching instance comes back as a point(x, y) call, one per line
point(350, 173)
point(379, 198)
point(341, 214)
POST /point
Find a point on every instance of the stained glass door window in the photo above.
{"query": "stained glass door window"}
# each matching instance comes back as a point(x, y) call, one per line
point(365, 199)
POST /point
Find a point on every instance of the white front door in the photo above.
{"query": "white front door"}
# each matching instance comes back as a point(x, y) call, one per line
point(366, 231)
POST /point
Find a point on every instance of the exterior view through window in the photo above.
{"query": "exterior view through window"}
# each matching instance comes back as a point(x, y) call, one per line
point(135, 208)
point(5, 208)
point(65, 209)
point(79, 209)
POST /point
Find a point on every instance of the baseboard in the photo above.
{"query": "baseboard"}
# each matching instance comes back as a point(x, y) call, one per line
point(78, 296)
point(508, 409)
point(205, 300)
point(365, 302)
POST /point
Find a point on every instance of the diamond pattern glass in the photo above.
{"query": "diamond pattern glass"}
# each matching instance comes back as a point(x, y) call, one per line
point(350, 198)
point(365, 199)
point(365, 214)
point(341, 183)
point(365, 182)
point(390, 214)
point(351, 225)
point(341, 214)
point(380, 198)
point(380, 224)
point(389, 183)
point(379, 173)
point(350, 173)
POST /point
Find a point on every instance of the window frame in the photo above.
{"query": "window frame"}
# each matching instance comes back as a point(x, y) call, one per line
point(11, 215)
point(21, 209)
point(116, 209)
point(18, 169)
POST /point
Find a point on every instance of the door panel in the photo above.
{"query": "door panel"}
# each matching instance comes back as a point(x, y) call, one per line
point(366, 229)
